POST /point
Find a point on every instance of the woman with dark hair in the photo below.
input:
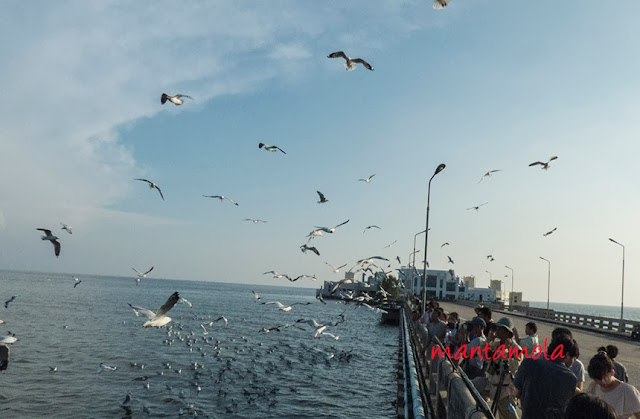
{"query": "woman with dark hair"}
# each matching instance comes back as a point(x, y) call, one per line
point(588, 406)
point(622, 397)
point(621, 371)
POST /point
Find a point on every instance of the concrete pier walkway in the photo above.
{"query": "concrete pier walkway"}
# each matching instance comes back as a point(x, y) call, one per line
point(589, 342)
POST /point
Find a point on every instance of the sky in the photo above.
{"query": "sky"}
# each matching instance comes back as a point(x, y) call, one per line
point(481, 85)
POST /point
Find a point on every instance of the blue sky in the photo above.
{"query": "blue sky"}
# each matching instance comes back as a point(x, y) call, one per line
point(480, 85)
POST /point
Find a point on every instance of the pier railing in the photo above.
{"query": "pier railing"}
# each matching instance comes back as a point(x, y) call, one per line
point(451, 393)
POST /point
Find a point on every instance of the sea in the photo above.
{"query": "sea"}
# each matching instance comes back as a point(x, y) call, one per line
point(189, 368)
point(630, 313)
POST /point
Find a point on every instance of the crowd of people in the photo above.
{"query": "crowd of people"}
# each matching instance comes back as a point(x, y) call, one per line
point(524, 377)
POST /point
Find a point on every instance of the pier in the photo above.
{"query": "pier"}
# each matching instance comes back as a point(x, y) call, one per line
point(438, 389)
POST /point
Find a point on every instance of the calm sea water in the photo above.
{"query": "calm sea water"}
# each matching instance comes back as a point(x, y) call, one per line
point(630, 313)
point(241, 372)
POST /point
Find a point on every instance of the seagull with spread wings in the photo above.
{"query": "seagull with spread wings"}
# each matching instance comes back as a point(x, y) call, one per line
point(222, 198)
point(272, 148)
point(390, 244)
point(549, 232)
point(545, 165)
point(153, 186)
point(141, 274)
point(282, 307)
point(328, 230)
point(67, 228)
point(304, 249)
point(368, 227)
point(335, 269)
point(77, 281)
point(160, 318)
point(323, 199)
point(350, 63)
point(477, 207)
point(53, 239)
point(489, 174)
point(450, 260)
point(255, 220)
point(176, 100)
point(367, 180)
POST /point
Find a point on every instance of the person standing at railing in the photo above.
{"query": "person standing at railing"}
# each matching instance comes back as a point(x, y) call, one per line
point(545, 386)
point(474, 365)
point(505, 359)
point(530, 341)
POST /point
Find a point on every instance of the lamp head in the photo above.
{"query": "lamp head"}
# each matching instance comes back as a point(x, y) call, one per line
point(440, 168)
point(614, 241)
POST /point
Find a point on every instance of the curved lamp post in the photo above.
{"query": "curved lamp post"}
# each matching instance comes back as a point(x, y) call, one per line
point(548, 280)
point(439, 169)
point(622, 299)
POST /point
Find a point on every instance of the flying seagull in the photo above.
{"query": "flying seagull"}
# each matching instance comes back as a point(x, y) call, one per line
point(304, 249)
point(160, 318)
point(327, 230)
point(255, 220)
point(152, 186)
point(270, 147)
point(491, 258)
point(367, 180)
point(477, 207)
point(439, 4)
point(322, 198)
point(77, 282)
point(444, 244)
point(370, 260)
point(350, 63)
point(390, 244)
point(368, 227)
point(489, 173)
point(67, 228)
point(450, 260)
point(545, 165)
point(256, 296)
point(53, 239)
point(142, 275)
point(336, 269)
point(176, 100)
point(10, 300)
point(222, 198)
point(549, 232)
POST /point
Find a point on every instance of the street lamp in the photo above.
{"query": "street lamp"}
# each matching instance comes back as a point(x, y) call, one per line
point(510, 299)
point(414, 246)
point(548, 280)
point(622, 299)
point(439, 169)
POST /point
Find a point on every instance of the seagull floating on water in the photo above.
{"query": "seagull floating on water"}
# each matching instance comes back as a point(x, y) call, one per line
point(350, 63)
point(549, 232)
point(272, 148)
point(545, 165)
point(367, 180)
point(322, 198)
point(176, 100)
point(222, 198)
point(104, 367)
point(67, 228)
point(53, 239)
point(160, 318)
point(153, 186)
